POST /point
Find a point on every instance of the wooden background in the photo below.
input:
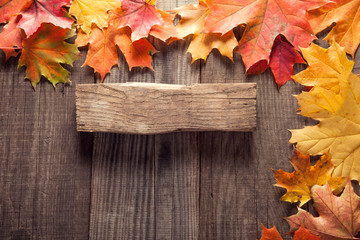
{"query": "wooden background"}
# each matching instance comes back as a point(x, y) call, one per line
point(56, 183)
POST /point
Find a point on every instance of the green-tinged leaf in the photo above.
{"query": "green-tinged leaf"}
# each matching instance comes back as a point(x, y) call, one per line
point(44, 52)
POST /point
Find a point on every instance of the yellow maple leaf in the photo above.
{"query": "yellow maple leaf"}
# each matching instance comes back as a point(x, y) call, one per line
point(335, 102)
point(298, 183)
point(192, 22)
point(88, 12)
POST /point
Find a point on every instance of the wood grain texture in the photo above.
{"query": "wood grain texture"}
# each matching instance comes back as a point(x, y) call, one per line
point(122, 204)
point(227, 193)
point(207, 185)
point(44, 163)
point(152, 108)
point(170, 198)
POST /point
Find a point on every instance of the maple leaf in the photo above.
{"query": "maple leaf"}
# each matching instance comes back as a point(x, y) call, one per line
point(10, 38)
point(102, 54)
point(88, 12)
point(339, 217)
point(346, 15)
point(202, 44)
point(300, 234)
point(137, 53)
point(192, 22)
point(9, 8)
point(305, 176)
point(165, 31)
point(282, 59)
point(265, 20)
point(139, 15)
point(45, 11)
point(43, 52)
point(334, 101)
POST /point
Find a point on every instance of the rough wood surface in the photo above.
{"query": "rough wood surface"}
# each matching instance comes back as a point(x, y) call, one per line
point(171, 196)
point(44, 163)
point(182, 186)
point(151, 108)
point(227, 169)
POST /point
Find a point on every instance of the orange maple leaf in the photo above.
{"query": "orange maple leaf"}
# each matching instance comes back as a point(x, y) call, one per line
point(10, 38)
point(9, 8)
point(265, 20)
point(305, 176)
point(167, 30)
point(300, 234)
point(102, 54)
point(346, 15)
point(192, 22)
point(137, 53)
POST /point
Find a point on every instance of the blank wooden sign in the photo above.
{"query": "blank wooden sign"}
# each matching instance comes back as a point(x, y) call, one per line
point(150, 108)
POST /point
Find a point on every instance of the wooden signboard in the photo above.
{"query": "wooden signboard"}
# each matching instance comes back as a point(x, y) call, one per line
point(150, 108)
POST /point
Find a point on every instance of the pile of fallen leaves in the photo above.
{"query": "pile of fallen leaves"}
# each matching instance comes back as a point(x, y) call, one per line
point(334, 101)
point(272, 32)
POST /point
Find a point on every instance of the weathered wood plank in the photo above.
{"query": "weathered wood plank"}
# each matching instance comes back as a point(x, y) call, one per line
point(149, 108)
point(122, 204)
point(177, 154)
point(122, 197)
point(271, 149)
point(45, 165)
point(170, 198)
point(227, 194)
point(177, 186)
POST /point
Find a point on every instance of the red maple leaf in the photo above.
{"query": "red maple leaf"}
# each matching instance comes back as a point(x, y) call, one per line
point(265, 20)
point(45, 11)
point(282, 59)
point(139, 15)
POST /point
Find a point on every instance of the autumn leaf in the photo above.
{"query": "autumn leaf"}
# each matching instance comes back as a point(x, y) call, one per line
point(139, 15)
point(88, 12)
point(9, 8)
point(299, 183)
point(165, 31)
point(334, 101)
point(192, 22)
point(43, 52)
point(137, 53)
point(270, 234)
point(339, 217)
point(103, 55)
point(10, 38)
point(346, 15)
point(282, 59)
point(300, 234)
point(45, 11)
point(264, 20)
point(202, 44)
